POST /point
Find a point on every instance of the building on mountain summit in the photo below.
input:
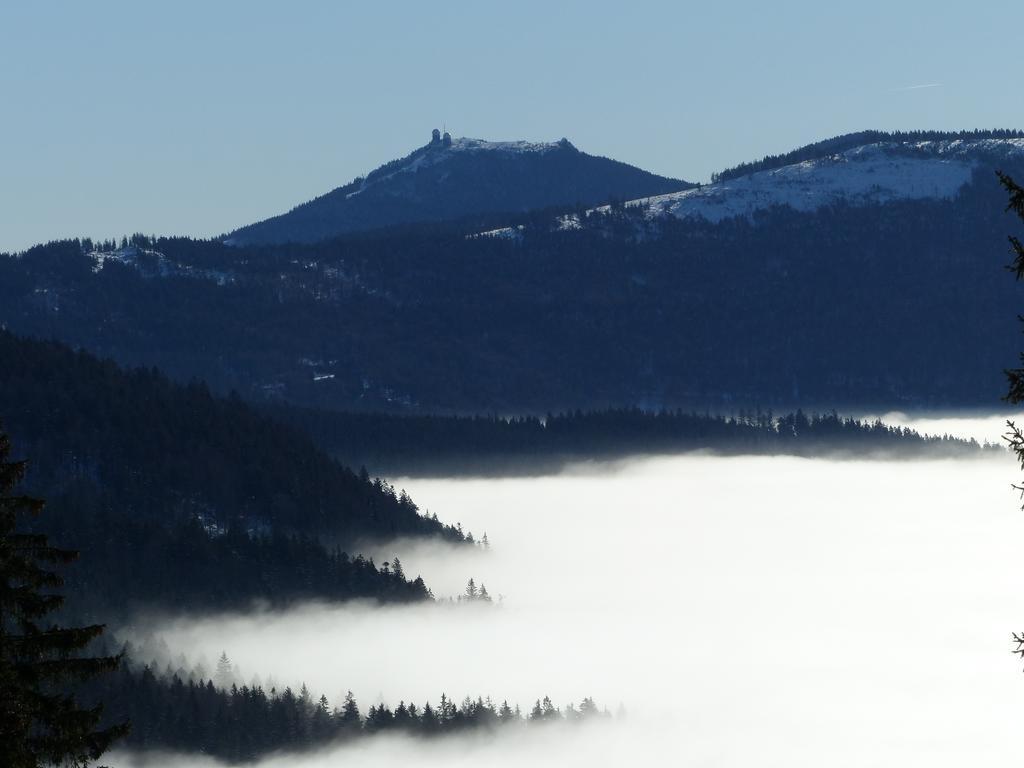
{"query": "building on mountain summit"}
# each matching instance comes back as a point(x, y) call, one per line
point(436, 138)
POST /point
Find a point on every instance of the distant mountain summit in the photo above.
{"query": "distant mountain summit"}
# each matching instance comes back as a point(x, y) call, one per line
point(448, 179)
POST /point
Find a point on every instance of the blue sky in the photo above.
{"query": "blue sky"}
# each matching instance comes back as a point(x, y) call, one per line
point(195, 118)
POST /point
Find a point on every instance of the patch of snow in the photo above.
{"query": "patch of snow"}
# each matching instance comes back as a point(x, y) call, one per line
point(465, 144)
point(569, 222)
point(210, 525)
point(508, 233)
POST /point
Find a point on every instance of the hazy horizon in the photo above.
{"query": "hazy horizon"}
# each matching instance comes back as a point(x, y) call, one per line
point(198, 119)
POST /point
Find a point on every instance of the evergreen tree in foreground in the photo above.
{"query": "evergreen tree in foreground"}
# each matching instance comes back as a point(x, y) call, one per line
point(40, 723)
point(1015, 376)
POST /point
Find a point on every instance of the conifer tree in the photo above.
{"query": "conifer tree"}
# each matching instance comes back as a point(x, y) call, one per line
point(549, 712)
point(414, 715)
point(536, 714)
point(588, 708)
point(445, 711)
point(350, 718)
point(505, 713)
point(224, 674)
point(402, 715)
point(429, 722)
point(1015, 376)
point(40, 722)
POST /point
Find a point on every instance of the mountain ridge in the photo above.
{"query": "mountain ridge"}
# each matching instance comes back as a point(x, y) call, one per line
point(829, 306)
point(869, 173)
point(842, 142)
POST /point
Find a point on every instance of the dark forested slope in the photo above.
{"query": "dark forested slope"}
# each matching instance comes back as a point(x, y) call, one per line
point(177, 498)
point(895, 304)
point(167, 450)
point(453, 445)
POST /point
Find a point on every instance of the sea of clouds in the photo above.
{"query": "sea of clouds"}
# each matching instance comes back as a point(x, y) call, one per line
point(738, 611)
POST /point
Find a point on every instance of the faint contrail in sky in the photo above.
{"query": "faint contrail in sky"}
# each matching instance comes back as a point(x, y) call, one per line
point(915, 87)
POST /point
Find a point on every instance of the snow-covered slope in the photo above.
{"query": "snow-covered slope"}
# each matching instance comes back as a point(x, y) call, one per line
point(450, 179)
point(873, 173)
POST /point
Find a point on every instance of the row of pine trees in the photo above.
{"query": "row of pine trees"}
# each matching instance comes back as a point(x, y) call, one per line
point(240, 723)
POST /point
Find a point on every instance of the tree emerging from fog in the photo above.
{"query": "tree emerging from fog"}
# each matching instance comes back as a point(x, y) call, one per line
point(473, 593)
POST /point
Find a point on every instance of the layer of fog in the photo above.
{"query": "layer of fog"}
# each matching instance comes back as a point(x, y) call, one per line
point(769, 611)
point(588, 744)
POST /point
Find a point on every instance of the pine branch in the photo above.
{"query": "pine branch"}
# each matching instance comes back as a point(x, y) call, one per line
point(1016, 203)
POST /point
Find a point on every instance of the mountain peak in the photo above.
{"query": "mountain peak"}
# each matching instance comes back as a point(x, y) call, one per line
point(452, 178)
point(442, 148)
point(439, 140)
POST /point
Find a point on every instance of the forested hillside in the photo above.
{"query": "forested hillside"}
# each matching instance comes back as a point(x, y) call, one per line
point(900, 304)
point(179, 498)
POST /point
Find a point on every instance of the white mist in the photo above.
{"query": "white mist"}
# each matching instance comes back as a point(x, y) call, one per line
point(744, 611)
